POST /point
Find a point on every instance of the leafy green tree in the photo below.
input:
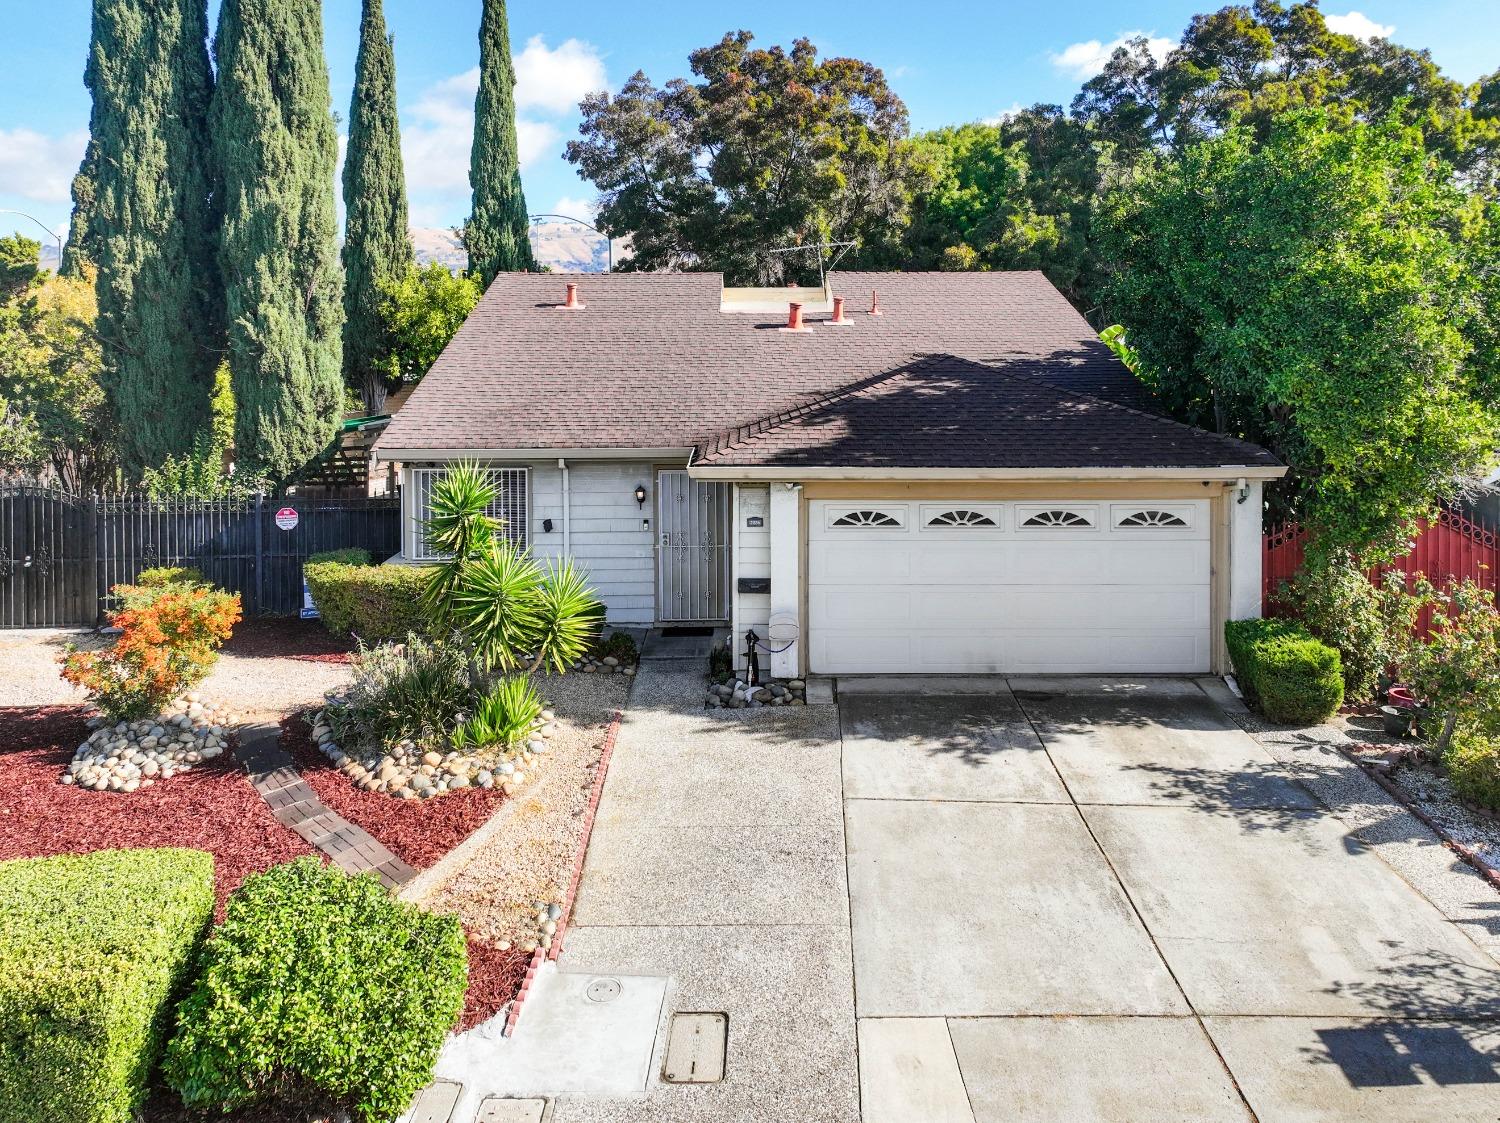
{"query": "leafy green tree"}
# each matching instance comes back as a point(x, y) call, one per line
point(1311, 293)
point(420, 310)
point(377, 243)
point(767, 148)
point(204, 472)
point(275, 138)
point(20, 265)
point(154, 221)
point(54, 420)
point(78, 250)
point(1013, 194)
point(497, 234)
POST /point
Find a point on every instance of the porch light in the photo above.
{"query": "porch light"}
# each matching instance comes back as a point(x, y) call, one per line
point(640, 495)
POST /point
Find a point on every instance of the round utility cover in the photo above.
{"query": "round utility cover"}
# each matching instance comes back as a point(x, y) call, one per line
point(603, 990)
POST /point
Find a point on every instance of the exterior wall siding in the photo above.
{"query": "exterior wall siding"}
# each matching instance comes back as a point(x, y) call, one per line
point(604, 536)
point(752, 558)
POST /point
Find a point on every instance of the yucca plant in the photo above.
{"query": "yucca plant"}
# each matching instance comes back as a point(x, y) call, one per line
point(459, 529)
point(495, 604)
point(504, 715)
point(569, 617)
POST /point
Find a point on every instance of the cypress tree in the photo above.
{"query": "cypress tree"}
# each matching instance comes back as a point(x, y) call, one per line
point(77, 252)
point(377, 244)
point(277, 147)
point(497, 233)
point(151, 227)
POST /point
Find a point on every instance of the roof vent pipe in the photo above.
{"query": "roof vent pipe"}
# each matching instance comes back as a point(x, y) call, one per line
point(839, 319)
point(794, 318)
point(571, 303)
point(875, 304)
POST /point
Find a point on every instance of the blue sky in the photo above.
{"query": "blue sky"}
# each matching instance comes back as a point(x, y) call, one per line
point(951, 61)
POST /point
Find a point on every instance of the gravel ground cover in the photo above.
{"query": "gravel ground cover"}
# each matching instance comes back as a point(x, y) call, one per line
point(1424, 785)
point(213, 807)
point(32, 675)
point(525, 860)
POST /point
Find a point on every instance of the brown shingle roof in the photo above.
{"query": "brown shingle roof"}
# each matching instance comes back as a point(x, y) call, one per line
point(946, 412)
point(652, 362)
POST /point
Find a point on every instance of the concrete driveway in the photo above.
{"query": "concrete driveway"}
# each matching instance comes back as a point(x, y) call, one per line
point(987, 900)
point(1079, 899)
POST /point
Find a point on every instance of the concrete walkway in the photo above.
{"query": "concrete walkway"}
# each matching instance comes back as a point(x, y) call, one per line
point(985, 900)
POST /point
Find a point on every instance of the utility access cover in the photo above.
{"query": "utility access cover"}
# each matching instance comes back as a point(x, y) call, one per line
point(696, 1045)
point(602, 990)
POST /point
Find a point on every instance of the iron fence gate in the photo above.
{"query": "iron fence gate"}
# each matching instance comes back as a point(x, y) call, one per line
point(60, 554)
point(693, 521)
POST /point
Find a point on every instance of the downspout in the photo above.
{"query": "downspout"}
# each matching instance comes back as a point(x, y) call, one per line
point(567, 508)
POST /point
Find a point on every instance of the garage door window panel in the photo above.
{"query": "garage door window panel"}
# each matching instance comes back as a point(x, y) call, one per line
point(938, 519)
point(1152, 518)
point(1057, 518)
point(868, 518)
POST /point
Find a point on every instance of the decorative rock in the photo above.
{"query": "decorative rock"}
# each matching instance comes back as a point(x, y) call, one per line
point(432, 759)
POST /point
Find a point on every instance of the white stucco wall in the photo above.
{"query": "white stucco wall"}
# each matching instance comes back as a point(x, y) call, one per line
point(605, 533)
point(1245, 529)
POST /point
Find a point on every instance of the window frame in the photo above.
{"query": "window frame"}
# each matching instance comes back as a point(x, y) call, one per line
point(517, 530)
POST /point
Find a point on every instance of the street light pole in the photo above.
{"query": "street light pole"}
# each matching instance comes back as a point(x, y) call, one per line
point(609, 242)
point(50, 232)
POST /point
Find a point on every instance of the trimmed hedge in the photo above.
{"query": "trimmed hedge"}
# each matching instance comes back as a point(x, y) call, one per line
point(377, 603)
point(1285, 673)
point(351, 556)
point(94, 948)
point(317, 982)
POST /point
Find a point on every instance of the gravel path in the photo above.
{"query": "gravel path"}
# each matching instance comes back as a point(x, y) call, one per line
point(525, 855)
point(31, 675)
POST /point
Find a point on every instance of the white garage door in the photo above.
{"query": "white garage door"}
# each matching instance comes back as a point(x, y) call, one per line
point(1061, 587)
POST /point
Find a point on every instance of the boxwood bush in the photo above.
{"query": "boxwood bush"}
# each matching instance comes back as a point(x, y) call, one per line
point(318, 985)
point(1473, 763)
point(377, 603)
point(1285, 673)
point(160, 575)
point(94, 949)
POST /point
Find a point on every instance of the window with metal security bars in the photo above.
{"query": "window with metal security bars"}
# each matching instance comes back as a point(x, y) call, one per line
point(511, 507)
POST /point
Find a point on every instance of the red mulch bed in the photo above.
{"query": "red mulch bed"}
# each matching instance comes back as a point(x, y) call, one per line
point(288, 637)
point(495, 978)
point(211, 808)
point(419, 832)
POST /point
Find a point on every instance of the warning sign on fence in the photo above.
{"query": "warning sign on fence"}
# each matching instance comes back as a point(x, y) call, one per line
point(286, 518)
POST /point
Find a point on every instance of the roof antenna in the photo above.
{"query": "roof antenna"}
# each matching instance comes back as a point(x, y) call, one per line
point(837, 249)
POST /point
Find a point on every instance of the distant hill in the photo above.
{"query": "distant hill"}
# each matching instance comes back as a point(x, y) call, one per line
point(560, 246)
point(49, 256)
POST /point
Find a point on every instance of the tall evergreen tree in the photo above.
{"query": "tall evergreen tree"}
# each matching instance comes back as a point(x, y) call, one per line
point(77, 251)
point(497, 234)
point(276, 143)
point(377, 244)
point(153, 223)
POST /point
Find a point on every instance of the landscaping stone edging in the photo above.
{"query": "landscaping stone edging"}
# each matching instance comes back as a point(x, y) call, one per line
point(541, 954)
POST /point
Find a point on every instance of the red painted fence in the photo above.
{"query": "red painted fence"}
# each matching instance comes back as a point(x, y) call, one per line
point(1451, 546)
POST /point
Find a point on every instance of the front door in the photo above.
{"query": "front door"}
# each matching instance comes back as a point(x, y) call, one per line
point(692, 549)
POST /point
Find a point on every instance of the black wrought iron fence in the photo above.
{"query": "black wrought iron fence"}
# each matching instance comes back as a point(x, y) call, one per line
point(60, 554)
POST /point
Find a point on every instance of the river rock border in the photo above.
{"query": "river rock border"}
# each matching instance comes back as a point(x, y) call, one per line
point(740, 695)
point(125, 756)
point(408, 771)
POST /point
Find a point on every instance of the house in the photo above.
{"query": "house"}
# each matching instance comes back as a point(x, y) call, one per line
point(900, 472)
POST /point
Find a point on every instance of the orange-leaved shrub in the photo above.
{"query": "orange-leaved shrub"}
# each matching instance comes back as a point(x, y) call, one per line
point(169, 639)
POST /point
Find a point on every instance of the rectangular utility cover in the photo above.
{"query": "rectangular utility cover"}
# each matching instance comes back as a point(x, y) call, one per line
point(696, 1045)
point(434, 1103)
point(497, 1110)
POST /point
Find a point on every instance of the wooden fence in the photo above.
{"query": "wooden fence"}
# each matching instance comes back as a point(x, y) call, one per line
point(1451, 547)
point(60, 554)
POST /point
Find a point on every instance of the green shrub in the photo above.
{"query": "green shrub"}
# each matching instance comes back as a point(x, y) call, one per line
point(505, 714)
point(1456, 669)
point(622, 646)
point(94, 948)
point(1473, 764)
point(720, 663)
point(318, 982)
point(1286, 673)
point(410, 690)
point(161, 575)
point(350, 556)
point(377, 603)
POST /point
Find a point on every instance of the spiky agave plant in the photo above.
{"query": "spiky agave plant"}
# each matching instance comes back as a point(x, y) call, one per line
point(504, 715)
point(569, 617)
point(494, 605)
point(458, 529)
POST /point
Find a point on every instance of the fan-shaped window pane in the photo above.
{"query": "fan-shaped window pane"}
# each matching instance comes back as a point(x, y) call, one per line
point(1058, 518)
point(1152, 519)
point(867, 518)
point(961, 518)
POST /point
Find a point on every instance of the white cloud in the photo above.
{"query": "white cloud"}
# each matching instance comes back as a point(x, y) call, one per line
point(576, 208)
point(36, 166)
point(1084, 60)
point(1359, 25)
point(555, 81)
point(1004, 115)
